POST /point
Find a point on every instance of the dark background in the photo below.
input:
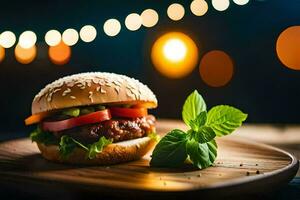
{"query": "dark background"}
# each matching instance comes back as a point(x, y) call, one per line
point(261, 85)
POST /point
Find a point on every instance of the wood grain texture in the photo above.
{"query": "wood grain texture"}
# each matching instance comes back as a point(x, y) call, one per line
point(241, 166)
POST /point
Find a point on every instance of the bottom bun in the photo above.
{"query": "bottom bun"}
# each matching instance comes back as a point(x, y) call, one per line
point(112, 154)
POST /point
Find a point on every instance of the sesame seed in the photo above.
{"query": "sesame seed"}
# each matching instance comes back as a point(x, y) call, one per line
point(56, 90)
point(98, 88)
point(68, 90)
point(102, 91)
point(90, 96)
point(117, 89)
point(72, 97)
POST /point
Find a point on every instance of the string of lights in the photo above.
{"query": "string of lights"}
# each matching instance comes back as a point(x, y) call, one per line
point(25, 43)
point(172, 49)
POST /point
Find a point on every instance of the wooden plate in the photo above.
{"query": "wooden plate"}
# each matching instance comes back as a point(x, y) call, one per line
point(241, 167)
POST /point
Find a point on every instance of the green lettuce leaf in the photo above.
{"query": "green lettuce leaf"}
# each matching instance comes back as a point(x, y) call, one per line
point(97, 147)
point(43, 137)
point(66, 146)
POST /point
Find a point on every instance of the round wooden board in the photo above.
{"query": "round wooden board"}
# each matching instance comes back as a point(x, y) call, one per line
point(241, 167)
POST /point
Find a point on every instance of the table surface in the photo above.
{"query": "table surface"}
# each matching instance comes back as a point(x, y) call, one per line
point(286, 137)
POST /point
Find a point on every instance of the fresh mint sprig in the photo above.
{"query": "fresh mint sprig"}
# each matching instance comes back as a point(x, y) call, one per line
point(198, 144)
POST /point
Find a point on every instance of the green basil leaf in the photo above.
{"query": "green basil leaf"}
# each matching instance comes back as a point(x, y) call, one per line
point(225, 119)
point(204, 134)
point(171, 150)
point(97, 147)
point(46, 138)
point(213, 147)
point(201, 155)
point(66, 146)
point(192, 107)
point(199, 121)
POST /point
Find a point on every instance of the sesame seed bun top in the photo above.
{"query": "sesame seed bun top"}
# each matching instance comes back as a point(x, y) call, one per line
point(92, 88)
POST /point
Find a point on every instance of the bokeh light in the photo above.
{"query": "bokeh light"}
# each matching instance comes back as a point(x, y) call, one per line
point(216, 68)
point(175, 11)
point(149, 18)
point(174, 50)
point(70, 37)
point(199, 7)
point(59, 54)
point(25, 55)
point(241, 2)
point(88, 33)
point(2, 54)
point(133, 21)
point(112, 27)
point(7, 39)
point(53, 37)
point(220, 5)
point(174, 55)
point(288, 47)
point(27, 39)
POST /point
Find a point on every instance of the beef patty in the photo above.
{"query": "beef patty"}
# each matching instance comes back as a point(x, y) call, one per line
point(116, 129)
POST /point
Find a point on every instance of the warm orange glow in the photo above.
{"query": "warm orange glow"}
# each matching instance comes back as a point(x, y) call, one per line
point(60, 54)
point(216, 68)
point(174, 55)
point(25, 55)
point(288, 47)
point(2, 53)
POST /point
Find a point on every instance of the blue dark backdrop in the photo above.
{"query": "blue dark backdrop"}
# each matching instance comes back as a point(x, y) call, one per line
point(261, 85)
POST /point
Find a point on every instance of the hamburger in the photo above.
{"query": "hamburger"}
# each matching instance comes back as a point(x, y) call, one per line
point(93, 118)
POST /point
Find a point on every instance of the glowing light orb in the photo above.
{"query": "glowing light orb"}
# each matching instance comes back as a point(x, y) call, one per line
point(174, 50)
point(88, 33)
point(2, 54)
point(133, 21)
point(7, 39)
point(216, 68)
point(149, 18)
point(175, 11)
point(220, 5)
point(199, 7)
point(53, 37)
point(70, 37)
point(25, 55)
point(174, 55)
point(241, 2)
point(112, 27)
point(27, 39)
point(288, 47)
point(59, 54)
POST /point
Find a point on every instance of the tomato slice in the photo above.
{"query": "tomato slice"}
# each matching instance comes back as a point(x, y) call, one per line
point(90, 118)
point(128, 112)
point(36, 118)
